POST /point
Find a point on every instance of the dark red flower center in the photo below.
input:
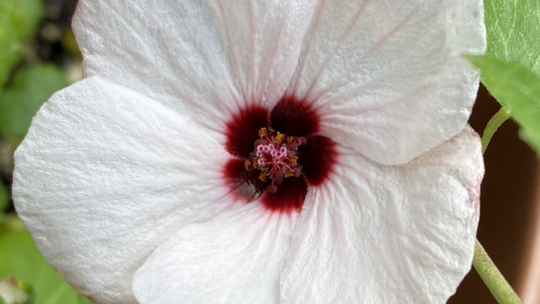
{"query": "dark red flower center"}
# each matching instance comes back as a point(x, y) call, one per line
point(277, 154)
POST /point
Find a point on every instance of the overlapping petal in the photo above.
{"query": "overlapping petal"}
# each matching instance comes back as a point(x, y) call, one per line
point(202, 58)
point(235, 258)
point(388, 234)
point(105, 175)
point(387, 76)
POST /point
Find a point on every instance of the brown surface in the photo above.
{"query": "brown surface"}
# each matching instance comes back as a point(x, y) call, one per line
point(530, 284)
point(507, 203)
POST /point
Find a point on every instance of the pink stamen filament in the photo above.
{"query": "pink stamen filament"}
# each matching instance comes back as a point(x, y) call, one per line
point(275, 156)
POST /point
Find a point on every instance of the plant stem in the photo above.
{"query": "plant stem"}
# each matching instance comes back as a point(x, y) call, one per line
point(490, 274)
point(493, 124)
point(492, 277)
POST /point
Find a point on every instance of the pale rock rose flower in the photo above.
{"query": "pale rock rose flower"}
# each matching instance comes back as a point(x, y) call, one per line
point(162, 178)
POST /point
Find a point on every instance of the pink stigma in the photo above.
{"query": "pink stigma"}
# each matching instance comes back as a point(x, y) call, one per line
point(275, 156)
point(273, 168)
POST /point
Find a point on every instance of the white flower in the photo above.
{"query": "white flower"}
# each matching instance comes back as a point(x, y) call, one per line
point(135, 185)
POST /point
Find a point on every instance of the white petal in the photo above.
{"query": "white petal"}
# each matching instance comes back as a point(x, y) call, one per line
point(387, 77)
point(388, 234)
point(235, 258)
point(104, 176)
point(204, 57)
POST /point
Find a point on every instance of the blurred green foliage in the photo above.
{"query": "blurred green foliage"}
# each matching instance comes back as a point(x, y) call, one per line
point(20, 258)
point(13, 291)
point(511, 65)
point(31, 87)
point(83, 300)
point(4, 198)
point(12, 48)
point(18, 22)
point(24, 86)
point(25, 16)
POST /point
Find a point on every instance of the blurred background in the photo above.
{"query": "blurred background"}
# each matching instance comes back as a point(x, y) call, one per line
point(39, 55)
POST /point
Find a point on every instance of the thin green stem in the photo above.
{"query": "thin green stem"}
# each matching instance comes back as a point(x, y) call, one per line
point(490, 274)
point(493, 124)
point(492, 277)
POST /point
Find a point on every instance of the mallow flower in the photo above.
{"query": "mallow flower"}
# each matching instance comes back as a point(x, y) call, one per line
point(272, 151)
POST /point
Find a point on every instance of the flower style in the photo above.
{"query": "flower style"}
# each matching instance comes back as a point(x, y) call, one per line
point(277, 151)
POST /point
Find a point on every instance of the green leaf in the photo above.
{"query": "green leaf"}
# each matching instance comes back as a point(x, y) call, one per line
point(512, 31)
point(20, 258)
point(512, 35)
point(517, 88)
point(19, 103)
point(4, 198)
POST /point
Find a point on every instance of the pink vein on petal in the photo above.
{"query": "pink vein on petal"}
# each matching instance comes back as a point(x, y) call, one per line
point(396, 101)
point(308, 43)
point(386, 125)
point(232, 90)
point(367, 176)
point(251, 69)
point(129, 125)
point(339, 44)
point(143, 59)
point(352, 93)
point(150, 185)
point(371, 50)
point(171, 84)
point(275, 48)
point(232, 46)
point(222, 69)
point(364, 85)
point(172, 162)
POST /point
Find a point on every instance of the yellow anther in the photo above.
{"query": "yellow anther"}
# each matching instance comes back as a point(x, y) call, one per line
point(279, 137)
point(262, 132)
point(276, 159)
